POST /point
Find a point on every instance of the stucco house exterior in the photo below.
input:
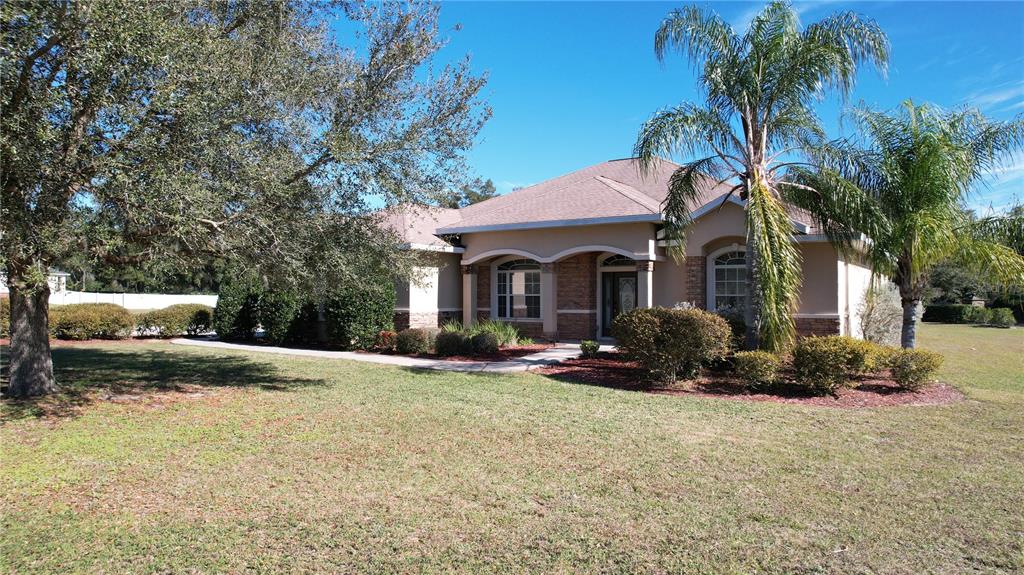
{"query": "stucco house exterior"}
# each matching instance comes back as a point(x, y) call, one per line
point(562, 258)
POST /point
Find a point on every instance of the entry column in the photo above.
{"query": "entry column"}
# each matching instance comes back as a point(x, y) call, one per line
point(468, 295)
point(548, 299)
point(644, 284)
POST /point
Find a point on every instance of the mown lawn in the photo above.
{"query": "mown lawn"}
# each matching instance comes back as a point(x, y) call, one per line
point(188, 460)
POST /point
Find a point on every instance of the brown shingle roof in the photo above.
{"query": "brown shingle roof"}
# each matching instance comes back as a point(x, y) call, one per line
point(417, 224)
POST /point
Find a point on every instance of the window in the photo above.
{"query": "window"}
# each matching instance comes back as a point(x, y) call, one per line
point(617, 260)
point(518, 290)
point(729, 275)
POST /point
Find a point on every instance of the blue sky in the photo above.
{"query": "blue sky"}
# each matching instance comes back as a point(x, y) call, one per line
point(571, 83)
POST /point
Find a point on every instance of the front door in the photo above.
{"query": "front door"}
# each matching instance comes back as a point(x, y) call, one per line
point(618, 290)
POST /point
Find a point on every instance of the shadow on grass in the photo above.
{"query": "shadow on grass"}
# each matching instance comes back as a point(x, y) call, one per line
point(90, 374)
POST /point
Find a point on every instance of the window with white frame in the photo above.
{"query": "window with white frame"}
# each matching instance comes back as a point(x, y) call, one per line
point(728, 280)
point(518, 290)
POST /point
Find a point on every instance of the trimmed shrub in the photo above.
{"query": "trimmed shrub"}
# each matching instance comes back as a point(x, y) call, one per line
point(975, 314)
point(822, 363)
point(357, 313)
point(412, 341)
point(485, 342)
point(449, 343)
point(176, 320)
point(91, 320)
point(1002, 317)
point(757, 369)
point(5, 317)
point(948, 313)
point(913, 368)
point(236, 316)
point(589, 348)
point(281, 316)
point(385, 340)
point(668, 342)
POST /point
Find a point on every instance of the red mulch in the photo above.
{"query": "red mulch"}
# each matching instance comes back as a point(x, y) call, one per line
point(610, 370)
point(504, 354)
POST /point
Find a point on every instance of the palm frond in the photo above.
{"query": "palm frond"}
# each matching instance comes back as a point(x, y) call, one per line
point(686, 187)
point(687, 129)
point(777, 267)
point(698, 34)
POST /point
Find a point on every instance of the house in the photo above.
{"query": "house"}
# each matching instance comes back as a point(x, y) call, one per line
point(57, 279)
point(562, 258)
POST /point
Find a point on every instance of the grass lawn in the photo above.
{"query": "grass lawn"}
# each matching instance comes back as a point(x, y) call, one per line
point(272, 463)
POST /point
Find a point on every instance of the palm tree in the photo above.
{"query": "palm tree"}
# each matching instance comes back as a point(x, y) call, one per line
point(759, 89)
point(904, 182)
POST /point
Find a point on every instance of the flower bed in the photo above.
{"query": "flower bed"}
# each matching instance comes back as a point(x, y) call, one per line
point(614, 371)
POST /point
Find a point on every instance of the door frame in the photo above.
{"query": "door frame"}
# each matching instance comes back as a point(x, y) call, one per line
point(599, 304)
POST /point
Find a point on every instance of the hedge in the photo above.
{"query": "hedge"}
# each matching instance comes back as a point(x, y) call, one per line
point(412, 341)
point(5, 317)
point(349, 316)
point(176, 320)
point(757, 369)
point(91, 320)
point(949, 313)
point(1002, 317)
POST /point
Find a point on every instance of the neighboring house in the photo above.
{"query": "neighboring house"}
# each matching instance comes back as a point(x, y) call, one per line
point(562, 258)
point(57, 279)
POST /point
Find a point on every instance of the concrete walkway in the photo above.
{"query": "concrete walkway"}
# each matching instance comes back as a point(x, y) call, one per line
point(550, 356)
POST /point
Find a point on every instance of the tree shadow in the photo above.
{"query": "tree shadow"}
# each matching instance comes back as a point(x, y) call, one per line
point(89, 374)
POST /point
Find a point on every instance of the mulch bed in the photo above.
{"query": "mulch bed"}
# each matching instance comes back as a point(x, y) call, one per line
point(504, 354)
point(611, 370)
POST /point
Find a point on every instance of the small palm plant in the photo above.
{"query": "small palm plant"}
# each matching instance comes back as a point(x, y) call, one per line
point(759, 89)
point(904, 183)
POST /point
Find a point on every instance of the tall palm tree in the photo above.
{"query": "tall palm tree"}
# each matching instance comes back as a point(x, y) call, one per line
point(904, 182)
point(759, 89)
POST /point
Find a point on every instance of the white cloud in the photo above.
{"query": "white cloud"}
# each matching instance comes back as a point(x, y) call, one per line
point(1003, 93)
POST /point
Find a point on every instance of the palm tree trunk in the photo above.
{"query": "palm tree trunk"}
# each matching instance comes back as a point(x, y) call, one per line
point(31, 368)
point(908, 333)
point(752, 311)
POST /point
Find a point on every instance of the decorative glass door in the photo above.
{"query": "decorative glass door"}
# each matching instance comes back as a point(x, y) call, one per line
point(618, 290)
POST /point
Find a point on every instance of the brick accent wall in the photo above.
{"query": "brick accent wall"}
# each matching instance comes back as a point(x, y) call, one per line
point(531, 329)
point(807, 326)
point(483, 286)
point(577, 290)
point(577, 325)
point(696, 274)
point(577, 282)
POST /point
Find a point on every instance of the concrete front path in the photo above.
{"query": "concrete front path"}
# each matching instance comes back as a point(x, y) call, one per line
point(559, 353)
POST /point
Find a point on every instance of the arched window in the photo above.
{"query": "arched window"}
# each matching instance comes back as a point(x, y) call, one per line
point(727, 280)
point(518, 289)
point(618, 260)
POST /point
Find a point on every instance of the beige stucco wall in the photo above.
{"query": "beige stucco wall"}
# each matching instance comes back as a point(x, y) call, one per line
point(449, 291)
point(854, 278)
point(669, 283)
point(818, 292)
point(713, 226)
point(437, 286)
point(544, 244)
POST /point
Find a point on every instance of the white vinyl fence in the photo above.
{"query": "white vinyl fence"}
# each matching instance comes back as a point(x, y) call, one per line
point(130, 300)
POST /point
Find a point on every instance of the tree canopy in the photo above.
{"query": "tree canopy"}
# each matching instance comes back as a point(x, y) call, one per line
point(186, 130)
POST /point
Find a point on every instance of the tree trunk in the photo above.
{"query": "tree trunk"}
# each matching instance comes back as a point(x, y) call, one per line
point(908, 333)
point(31, 369)
point(752, 311)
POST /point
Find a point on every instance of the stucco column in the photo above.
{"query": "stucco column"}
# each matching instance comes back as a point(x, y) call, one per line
point(644, 284)
point(548, 299)
point(468, 295)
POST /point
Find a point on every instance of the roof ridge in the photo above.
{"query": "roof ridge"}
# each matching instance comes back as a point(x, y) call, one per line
point(631, 193)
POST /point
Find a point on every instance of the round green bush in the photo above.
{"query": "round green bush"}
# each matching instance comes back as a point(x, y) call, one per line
point(176, 320)
point(589, 348)
point(91, 320)
point(757, 369)
point(356, 313)
point(913, 368)
point(1002, 317)
point(822, 364)
point(449, 343)
point(976, 314)
point(668, 342)
point(412, 341)
point(276, 312)
point(485, 342)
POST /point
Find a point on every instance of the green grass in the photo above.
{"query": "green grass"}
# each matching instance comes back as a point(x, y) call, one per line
point(188, 460)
